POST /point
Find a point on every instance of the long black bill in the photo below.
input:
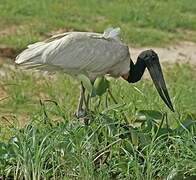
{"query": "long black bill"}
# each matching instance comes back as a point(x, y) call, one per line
point(151, 60)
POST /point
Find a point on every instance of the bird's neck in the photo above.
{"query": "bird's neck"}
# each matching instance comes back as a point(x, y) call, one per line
point(136, 70)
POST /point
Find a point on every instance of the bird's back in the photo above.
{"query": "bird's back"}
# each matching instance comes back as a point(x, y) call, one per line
point(79, 52)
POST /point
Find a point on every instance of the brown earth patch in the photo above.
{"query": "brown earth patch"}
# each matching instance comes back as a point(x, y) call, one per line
point(13, 29)
point(181, 52)
point(7, 51)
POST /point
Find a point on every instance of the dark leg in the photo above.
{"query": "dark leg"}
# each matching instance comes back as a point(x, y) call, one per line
point(80, 113)
point(87, 100)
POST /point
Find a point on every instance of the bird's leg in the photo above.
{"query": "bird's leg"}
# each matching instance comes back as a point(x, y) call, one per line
point(88, 99)
point(80, 113)
point(86, 102)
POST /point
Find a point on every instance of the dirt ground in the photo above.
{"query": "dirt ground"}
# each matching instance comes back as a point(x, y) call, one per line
point(181, 52)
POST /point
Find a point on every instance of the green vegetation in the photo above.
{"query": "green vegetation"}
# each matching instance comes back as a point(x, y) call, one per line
point(134, 136)
point(143, 22)
point(138, 138)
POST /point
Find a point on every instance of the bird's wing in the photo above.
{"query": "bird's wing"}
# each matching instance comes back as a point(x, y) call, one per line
point(109, 33)
point(34, 51)
point(57, 36)
point(77, 52)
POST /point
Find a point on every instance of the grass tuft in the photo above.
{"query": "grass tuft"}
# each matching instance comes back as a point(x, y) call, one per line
point(137, 138)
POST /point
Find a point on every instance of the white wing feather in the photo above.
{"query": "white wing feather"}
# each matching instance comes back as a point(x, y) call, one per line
point(79, 52)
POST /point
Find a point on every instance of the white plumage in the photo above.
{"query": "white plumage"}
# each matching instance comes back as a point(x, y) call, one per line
point(92, 54)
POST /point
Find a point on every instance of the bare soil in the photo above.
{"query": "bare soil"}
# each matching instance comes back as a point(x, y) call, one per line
point(181, 52)
point(7, 51)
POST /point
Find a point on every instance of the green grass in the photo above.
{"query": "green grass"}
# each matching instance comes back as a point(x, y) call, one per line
point(143, 22)
point(137, 138)
point(41, 138)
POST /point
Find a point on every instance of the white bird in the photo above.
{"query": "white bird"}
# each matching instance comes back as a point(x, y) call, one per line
point(93, 54)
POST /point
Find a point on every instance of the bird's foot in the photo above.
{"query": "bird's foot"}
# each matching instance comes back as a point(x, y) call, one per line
point(81, 113)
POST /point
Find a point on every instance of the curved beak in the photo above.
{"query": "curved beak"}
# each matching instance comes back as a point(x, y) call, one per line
point(154, 68)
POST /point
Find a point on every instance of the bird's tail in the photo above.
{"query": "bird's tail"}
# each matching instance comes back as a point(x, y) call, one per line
point(32, 55)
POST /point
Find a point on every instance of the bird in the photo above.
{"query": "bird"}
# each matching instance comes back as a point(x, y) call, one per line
point(93, 55)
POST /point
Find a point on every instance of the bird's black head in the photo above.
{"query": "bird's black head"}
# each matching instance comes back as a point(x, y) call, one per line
point(148, 55)
point(137, 70)
point(150, 60)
